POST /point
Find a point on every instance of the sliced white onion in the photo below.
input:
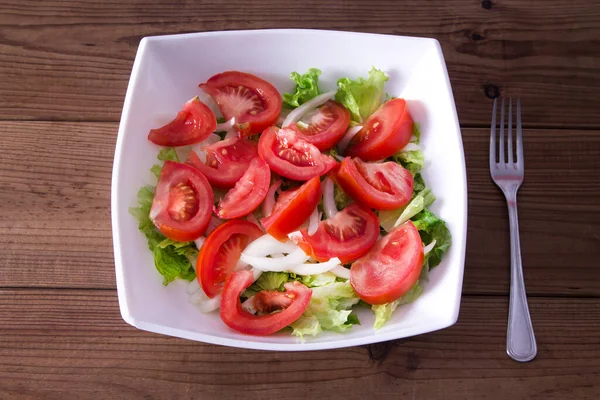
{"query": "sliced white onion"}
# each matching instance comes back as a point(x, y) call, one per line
point(248, 305)
point(340, 272)
point(257, 273)
point(266, 245)
point(345, 140)
point(205, 303)
point(297, 113)
point(313, 221)
point(295, 257)
point(411, 147)
point(429, 247)
point(199, 242)
point(252, 218)
point(232, 133)
point(282, 116)
point(328, 199)
point(315, 269)
point(241, 265)
point(193, 287)
point(269, 203)
point(225, 126)
point(199, 147)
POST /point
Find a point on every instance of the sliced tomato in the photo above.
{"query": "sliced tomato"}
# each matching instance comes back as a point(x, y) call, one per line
point(326, 125)
point(239, 319)
point(254, 102)
point(226, 161)
point(194, 123)
point(348, 235)
point(383, 186)
point(384, 133)
point(268, 301)
point(292, 157)
point(182, 203)
point(221, 251)
point(248, 193)
point(292, 208)
point(391, 268)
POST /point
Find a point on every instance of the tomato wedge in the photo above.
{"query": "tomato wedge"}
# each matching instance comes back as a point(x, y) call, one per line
point(226, 161)
point(182, 203)
point(384, 133)
point(292, 157)
point(194, 123)
point(248, 193)
point(254, 102)
point(221, 252)
point(348, 235)
point(239, 319)
point(391, 268)
point(326, 127)
point(292, 208)
point(383, 186)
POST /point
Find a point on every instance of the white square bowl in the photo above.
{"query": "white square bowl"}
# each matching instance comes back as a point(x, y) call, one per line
point(166, 73)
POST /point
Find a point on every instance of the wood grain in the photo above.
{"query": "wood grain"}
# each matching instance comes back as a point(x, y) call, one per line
point(55, 222)
point(72, 342)
point(71, 60)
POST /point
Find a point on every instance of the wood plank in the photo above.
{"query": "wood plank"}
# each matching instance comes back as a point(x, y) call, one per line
point(71, 60)
point(58, 344)
point(55, 219)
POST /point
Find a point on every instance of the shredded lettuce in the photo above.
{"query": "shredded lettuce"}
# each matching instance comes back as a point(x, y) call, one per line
point(393, 218)
point(432, 228)
point(168, 154)
point(331, 307)
point(362, 96)
point(340, 197)
point(318, 280)
point(270, 281)
point(383, 312)
point(411, 160)
point(416, 133)
point(307, 87)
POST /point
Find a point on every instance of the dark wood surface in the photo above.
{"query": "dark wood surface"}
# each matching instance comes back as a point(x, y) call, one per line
point(64, 68)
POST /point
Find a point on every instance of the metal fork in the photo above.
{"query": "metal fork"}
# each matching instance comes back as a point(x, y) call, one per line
point(507, 173)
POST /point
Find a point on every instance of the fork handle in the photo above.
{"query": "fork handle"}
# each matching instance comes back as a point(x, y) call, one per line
point(520, 339)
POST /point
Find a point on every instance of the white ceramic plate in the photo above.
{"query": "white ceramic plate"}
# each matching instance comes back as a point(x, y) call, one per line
point(166, 73)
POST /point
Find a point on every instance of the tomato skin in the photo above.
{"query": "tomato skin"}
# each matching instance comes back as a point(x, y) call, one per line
point(292, 208)
point(391, 268)
point(248, 192)
point(213, 267)
point(382, 186)
point(267, 301)
point(347, 236)
point(292, 157)
point(194, 123)
point(254, 102)
point(327, 126)
point(384, 133)
point(183, 199)
point(226, 161)
point(239, 319)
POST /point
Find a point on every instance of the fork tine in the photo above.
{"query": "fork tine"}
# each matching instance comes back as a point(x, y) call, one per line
point(501, 159)
point(493, 137)
point(520, 161)
point(509, 133)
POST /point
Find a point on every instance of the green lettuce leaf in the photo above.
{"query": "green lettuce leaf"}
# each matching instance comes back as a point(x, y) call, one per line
point(383, 312)
point(411, 160)
point(168, 153)
point(362, 96)
point(432, 228)
point(393, 218)
point(331, 306)
point(318, 280)
point(340, 197)
point(270, 281)
point(156, 168)
point(307, 87)
point(416, 133)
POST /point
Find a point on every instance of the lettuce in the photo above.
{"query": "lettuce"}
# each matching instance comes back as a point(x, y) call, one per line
point(270, 281)
point(411, 160)
point(383, 312)
point(362, 96)
point(307, 87)
point(393, 218)
point(168, 154)
point(432, 228)
point(318, 280)
point(330, 308)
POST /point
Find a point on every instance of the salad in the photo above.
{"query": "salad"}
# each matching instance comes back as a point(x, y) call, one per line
point(289, 212)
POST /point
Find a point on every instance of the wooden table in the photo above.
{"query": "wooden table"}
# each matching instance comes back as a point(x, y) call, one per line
point(64, 68)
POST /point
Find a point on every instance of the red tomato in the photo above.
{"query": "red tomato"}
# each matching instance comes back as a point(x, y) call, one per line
point(239, 319)
point(268, 301)
point(248, 193)
point(226, 161)
point(194, 123)
point(182, 203)
point(292, 157)
point(347, 236)
point(391, 268)
point(221, 252)
point(327, 126)
point(383, 186)
point(384, 133)
point(292, 208)
point(254, 102)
